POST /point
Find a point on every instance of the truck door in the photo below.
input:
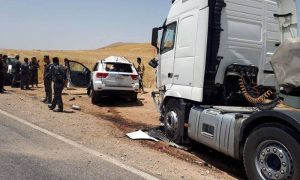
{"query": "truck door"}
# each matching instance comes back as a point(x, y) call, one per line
point(167, 54)
point(185, 48)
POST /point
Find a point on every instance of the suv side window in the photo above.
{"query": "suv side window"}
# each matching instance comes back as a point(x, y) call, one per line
point(96, 67)
point(168, 40)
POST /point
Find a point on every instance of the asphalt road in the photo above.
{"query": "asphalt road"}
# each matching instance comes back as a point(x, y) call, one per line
point(27, 153)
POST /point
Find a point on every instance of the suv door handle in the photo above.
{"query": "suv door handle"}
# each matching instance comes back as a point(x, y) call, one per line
point(170, 75)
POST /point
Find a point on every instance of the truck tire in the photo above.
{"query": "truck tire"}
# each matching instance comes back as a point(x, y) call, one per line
point(174, 121)
point(272, 152)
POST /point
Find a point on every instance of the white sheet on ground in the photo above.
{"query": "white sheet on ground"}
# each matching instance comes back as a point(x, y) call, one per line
point(140, 135)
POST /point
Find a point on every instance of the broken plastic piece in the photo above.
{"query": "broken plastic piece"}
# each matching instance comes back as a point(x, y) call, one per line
point(76, 107)
point(140, 135)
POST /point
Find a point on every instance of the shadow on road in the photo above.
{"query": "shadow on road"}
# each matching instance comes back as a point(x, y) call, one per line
point(227, 164)
point(118, 101)
point(195, 152)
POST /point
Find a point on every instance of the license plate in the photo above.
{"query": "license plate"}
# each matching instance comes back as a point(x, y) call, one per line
point(119, 78)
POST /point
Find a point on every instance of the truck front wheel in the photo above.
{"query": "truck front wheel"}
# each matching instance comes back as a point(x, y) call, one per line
point(272, 153)
point(174, 121)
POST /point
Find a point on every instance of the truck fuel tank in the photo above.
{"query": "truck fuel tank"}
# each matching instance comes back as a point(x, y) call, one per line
point(215, 128)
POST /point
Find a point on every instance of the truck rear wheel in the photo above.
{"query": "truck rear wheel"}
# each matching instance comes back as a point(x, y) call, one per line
point(174, 121)
point(272, 153)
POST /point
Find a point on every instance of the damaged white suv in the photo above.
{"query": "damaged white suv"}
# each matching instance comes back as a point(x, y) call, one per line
point(113, 76)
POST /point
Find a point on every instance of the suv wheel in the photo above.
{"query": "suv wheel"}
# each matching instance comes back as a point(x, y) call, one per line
point(94, 96)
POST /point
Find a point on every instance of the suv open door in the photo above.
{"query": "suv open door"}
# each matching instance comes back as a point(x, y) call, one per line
point(78, 74)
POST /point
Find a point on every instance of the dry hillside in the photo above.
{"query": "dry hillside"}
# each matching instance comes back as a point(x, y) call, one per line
point(89, 57)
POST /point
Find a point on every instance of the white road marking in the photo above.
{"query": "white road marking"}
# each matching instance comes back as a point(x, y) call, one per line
point(83, 148)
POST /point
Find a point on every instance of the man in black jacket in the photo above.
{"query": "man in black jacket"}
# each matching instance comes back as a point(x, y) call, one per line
point(16, 72)
point(1, 74)
point(59, 77)
point(4, 70)
point(25, 74)
point(34, 69)
point(48, 80)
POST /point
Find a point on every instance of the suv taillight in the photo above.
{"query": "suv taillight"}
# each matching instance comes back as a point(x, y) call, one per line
point(134, 77)
point(101, 75)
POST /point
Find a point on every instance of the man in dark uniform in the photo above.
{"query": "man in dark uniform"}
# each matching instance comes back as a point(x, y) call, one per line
point(4, 71)
point(1, 74)
point(25, 74)
point(34, 69)
point(16, 72)
point(48, 80)
point(59, 77)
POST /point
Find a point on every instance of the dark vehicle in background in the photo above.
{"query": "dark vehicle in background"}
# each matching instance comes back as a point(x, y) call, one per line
point(9, 75)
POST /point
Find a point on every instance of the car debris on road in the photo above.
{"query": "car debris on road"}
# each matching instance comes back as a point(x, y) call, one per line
point(155, 135)
point(76, 107)
point(140, 135)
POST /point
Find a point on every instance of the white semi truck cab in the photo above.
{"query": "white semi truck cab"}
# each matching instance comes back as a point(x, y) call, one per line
point(213, 62)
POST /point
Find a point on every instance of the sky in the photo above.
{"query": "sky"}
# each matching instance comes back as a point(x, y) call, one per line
point(78, 24)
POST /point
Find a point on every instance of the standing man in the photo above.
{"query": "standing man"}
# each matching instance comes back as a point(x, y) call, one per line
point(59, 77)
point(16, 72)
point(25, 74)
point(1, 74)
point(4, 71)
point(48, 80)
point(34, 68)
point(68, 84)
point(141, 71)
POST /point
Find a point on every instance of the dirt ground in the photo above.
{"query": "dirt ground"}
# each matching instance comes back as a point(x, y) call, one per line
point(123, 116)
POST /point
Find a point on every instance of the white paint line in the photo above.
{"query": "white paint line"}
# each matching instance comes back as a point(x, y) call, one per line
point(83, 148)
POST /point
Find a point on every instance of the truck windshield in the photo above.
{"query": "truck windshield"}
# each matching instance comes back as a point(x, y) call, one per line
point(168, 39)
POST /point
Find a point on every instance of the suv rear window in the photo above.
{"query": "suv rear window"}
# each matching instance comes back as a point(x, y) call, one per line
point(11, 61)
point(118, 67)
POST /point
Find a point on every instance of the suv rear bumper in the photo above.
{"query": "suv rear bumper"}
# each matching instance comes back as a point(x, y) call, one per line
point(100, 88)
point(116, 93)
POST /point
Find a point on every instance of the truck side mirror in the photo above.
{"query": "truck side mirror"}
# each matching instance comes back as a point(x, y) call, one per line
point(153, 63)
point(155, 37)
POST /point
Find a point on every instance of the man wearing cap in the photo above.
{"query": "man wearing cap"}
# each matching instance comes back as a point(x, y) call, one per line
point(48, 80)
